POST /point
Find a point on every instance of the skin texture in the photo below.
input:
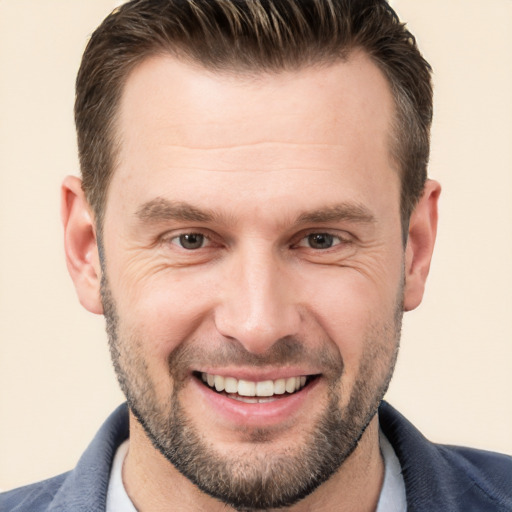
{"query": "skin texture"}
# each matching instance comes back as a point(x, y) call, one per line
point(254, 167)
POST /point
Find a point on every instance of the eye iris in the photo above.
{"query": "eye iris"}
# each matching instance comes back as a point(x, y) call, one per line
point(320, 240)
point(191, 241)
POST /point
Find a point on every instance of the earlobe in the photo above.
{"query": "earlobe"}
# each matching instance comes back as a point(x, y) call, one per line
point(420, 245)
point(80, 244)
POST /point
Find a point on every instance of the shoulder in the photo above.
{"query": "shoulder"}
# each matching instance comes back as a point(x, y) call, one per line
point(84, 489)
point(450, 478)
point(489, 471)
point(31, 498)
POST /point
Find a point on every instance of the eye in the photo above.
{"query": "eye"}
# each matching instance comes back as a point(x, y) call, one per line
point(320, 241)
point(190, 241)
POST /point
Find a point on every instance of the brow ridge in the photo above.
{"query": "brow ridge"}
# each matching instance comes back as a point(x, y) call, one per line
point(352, 212)
point(162, 210)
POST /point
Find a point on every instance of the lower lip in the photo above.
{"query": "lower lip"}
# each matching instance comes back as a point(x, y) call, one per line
point(257, 414)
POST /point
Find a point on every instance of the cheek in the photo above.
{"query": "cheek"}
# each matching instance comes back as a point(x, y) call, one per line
point(355, 310)
point(155, 318)
point(164, 309)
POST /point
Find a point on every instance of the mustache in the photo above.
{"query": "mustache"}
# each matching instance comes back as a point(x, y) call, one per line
point(286, 351)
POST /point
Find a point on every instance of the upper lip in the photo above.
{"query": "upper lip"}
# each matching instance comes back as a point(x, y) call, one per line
point(250, 374)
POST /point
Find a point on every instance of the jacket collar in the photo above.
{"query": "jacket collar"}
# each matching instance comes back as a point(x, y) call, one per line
point(441, 477)
point(85, 488)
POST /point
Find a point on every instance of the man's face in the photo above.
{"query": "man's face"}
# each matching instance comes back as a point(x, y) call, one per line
point(252, 244)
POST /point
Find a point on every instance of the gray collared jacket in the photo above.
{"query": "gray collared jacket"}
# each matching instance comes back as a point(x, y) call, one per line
point(437, 478)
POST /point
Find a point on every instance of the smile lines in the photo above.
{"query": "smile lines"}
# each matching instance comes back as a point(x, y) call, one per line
point(265, 388)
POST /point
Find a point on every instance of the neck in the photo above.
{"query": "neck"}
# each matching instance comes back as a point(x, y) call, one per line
point(153, 483)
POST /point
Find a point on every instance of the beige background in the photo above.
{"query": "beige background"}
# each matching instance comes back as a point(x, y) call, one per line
point(454, 378)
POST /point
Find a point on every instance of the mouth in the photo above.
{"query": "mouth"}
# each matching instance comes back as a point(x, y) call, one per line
point(254, 392)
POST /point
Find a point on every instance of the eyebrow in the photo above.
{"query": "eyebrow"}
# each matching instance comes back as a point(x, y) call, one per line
point(162, 210)
point(351, 212)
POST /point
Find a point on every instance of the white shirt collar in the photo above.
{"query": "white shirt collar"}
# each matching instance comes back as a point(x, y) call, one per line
point(392, 496)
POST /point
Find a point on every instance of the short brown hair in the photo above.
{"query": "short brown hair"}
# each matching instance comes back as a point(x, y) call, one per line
point(251, 36)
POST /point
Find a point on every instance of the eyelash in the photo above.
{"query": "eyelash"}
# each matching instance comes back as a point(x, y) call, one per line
point(325, 234)
point(174, 239)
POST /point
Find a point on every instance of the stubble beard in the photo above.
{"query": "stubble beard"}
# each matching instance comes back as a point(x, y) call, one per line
point(259, 478)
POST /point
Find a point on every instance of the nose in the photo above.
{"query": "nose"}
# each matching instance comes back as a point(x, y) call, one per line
point(257, 302)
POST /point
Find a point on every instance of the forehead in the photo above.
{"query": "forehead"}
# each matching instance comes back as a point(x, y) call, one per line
point(164, 92)
point(180, 122)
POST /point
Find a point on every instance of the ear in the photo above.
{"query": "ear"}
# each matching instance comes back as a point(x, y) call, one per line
point(420, 244)
point(80, 244)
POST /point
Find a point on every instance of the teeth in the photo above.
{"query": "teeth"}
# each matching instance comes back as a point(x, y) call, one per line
point(290, 385)
point(252, 400)
point(219, 383)
point(265, 388)
point(230, 385)
point(280, 386)
point(246, 388)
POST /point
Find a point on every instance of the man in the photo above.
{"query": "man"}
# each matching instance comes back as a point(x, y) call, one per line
point(253, 219)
